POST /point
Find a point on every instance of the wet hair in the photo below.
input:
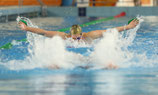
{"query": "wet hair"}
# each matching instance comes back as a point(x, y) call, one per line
point(75, 29)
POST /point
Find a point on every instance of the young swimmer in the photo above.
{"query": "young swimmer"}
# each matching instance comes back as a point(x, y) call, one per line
point(76, 34)
point(76, 31)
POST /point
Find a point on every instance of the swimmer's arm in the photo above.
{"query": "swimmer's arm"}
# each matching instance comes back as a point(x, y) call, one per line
point(45, 33)
point(42, 32)
point(99, 33)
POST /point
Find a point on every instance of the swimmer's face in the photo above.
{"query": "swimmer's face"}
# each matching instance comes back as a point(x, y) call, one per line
point(76, 36)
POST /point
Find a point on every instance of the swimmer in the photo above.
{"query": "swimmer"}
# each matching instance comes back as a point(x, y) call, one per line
point(76, 34)
point(75, 31)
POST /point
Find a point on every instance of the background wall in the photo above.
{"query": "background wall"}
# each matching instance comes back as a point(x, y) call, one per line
point(146, 2)
point(30, 2)
point(70, 2)
point(103, 2)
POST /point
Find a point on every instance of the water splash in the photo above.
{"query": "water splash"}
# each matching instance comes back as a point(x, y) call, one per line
point(113, 48)
point(108, 50)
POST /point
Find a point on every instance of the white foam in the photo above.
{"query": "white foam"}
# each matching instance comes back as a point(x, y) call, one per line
point(113, 48)
point(109, 50)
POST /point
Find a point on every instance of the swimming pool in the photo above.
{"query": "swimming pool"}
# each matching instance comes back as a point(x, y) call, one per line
point(24, 66)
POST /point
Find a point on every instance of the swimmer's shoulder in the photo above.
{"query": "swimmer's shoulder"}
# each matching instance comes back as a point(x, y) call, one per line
point(67, 36)
point(86, 38)
point(84, 35)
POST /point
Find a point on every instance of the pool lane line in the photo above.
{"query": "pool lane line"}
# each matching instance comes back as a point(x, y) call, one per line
point(96, 21)
point(9, 45)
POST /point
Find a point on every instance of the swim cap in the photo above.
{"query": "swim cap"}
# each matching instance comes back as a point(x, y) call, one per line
point(75, 29)
point(23, 21)
point(132, 20)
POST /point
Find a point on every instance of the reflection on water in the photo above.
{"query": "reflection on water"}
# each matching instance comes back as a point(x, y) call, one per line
point(109, 83)
point(99, 82)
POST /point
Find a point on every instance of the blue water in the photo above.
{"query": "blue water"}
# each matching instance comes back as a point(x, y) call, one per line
point(136, 79)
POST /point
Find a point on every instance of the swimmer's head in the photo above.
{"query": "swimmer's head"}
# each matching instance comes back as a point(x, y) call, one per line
point(75, 30)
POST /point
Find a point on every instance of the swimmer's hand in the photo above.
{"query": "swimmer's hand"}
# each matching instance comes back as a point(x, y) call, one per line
point(22, 26)
point(133, 24)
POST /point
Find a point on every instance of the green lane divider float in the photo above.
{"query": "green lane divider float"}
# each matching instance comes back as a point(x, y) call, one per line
point(9, 45)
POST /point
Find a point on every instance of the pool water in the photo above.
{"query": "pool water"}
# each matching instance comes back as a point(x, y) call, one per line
point(25, 68)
